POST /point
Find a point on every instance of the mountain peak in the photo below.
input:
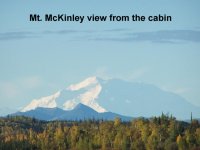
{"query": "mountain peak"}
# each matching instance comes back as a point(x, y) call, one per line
point(89, 90)
point(85, 83)
point(46, 102)
point(85, 92)
point(82, 107)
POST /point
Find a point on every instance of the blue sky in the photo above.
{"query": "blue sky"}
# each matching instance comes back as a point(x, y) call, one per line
point(40, 58)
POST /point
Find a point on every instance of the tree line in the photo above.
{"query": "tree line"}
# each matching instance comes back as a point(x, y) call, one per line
point(157, 133)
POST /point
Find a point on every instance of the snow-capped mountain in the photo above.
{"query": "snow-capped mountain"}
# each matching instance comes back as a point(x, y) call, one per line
point(85, 92)
point(119, 96)
point(46, 102)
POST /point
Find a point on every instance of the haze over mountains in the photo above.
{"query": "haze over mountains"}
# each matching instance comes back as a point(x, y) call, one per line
point(118, 96)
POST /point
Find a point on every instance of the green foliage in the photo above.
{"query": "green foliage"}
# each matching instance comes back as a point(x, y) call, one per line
point(158, 133)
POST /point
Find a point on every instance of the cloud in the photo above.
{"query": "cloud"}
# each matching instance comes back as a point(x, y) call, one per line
point(116, 35)
point(16, 35)
point(63, 32)
point(60, 32)
point(163, 36)
point(167, 36)
point(25, 35)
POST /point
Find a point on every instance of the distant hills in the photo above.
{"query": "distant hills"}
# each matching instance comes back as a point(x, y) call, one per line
point(80, 112)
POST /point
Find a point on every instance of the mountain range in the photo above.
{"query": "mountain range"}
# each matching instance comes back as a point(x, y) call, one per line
point(80, 112)
point(113, 95)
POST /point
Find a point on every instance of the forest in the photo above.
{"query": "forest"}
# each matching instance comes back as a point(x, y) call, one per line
point(156, 133)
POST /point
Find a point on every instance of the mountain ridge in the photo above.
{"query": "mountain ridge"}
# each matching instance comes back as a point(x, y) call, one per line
point(80, 112)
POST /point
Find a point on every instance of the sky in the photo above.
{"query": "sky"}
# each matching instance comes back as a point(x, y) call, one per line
point(39, 58)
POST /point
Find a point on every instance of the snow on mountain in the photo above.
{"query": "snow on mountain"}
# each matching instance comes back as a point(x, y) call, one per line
point(115, 95)
point(46, 102)
point(89, 89)
point(87, 82)
point(88, 97)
